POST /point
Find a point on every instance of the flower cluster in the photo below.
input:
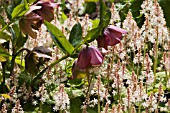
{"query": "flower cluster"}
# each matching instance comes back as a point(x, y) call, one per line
point(62, 101)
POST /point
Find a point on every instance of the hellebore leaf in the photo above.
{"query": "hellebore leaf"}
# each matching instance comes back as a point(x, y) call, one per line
point(94, 33)
point(75, 104)
point(2, 22)
point(106, 19)
point(4, 37)
point(76, 35)
point(102, 10)
point(20, 10)
point(3, 54)
point(59, 38)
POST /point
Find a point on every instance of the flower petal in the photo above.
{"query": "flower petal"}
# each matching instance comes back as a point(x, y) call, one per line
point(84, 58)
point(96, 57)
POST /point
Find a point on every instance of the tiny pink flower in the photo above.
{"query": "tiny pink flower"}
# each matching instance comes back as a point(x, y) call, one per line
point(112, 36)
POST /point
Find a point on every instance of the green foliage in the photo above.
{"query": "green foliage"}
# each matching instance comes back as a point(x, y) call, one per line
point(20, 10)
point(75, 105)
point(76, 35)
point(4, 55)
point(59, 38)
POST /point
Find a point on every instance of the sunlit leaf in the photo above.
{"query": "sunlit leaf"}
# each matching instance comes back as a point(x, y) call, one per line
point(59, 38)
point(20, 10)
point(5, 96)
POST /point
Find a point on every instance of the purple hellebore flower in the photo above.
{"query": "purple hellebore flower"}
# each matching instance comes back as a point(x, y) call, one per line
point(88, 57)
point(112, 36)
point(30, 21)
point(47, 9)
point(40, 10)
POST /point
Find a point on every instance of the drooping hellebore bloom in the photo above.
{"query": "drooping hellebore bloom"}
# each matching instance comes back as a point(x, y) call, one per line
point(47, 9)
point(88, 57)
point(112, 36)
point(33, 19)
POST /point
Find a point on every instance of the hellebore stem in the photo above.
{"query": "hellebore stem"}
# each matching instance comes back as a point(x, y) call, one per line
point(14, 57)
point(51, 65)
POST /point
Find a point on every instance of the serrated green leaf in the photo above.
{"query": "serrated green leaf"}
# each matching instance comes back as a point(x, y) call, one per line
point(20, 10)
point(76, 35)
point(59, 38)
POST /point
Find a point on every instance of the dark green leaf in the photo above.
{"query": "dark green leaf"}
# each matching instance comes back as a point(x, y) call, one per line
point(76, 35)
point(75, 105)
point(18, 39)
point(2, 22)
point(102, 10)
point(59, 38)
point(106, 19)
point(90, 7)
point(20, 10)
point(21, 40)
point(94, 33)
point(165, 6)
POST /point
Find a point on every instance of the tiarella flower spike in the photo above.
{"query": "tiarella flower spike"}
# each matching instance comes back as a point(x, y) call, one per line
point(112, 36)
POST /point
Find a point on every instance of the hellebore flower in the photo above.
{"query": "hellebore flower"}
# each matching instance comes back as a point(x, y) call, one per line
point(33, 19)
point(47, 9)
point(112, 36)
point(30, 21)
point(88, 57)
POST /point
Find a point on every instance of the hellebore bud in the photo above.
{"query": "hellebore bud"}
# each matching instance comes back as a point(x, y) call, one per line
point(112, 36)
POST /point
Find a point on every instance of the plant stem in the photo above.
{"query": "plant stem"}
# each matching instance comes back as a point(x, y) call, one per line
point(156, 54)
point(13, 59)
point(51, 65)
